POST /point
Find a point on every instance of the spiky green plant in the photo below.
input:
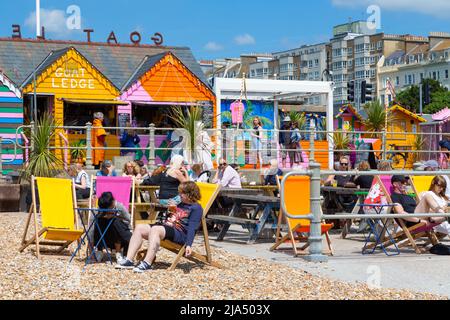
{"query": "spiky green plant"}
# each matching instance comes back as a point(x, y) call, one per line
point(376, 118)
point(418, 144)
point(78, 153)
point(299, 118)
point(191, 122)
point(42, 161)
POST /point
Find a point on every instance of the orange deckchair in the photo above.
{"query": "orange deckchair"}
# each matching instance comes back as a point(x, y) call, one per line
point(209, 193)
point(57, 209)
point(297, 200)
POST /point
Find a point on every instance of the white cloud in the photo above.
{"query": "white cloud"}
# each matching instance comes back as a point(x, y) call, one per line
point(437, 8)
point(244, 39)
point(213, 46)
point(54, 22)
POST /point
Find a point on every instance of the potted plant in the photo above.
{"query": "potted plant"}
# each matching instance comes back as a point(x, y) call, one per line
point(78, 151)
point(341, 142)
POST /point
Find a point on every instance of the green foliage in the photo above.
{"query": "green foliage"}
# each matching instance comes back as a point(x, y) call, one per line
point(341, 141)
point(376, 117)
point(440, 100)
point(299, 118)
point(418, 144)
point(191, 121)
point(410, 98)
point(79, 152)
point(42, 161)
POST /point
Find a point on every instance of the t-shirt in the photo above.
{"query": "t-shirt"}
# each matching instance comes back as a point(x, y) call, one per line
point(237, 112)
point(441, 202)
point(407, 202)
point(185, 221)
point(343, 180)
point(364, 182)
point(230, 178)
point(80, 176)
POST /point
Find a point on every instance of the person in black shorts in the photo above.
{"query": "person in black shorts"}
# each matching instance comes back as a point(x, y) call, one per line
point(180, 227)
point(405, 203)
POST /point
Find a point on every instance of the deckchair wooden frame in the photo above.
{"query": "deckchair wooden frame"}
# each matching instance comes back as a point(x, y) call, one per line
point(406, 235)
point(138, 205)
point(293, 239)
point(33, 213)
point(180, 250)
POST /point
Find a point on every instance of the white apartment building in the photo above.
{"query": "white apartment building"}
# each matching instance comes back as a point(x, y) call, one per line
point(406, 68)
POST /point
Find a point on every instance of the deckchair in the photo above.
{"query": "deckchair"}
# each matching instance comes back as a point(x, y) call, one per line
point(209, 193)
point(407, 236)
point(57, 209)
point(298, 204)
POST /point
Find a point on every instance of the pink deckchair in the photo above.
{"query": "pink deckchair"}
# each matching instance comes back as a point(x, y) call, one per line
point(120, 187)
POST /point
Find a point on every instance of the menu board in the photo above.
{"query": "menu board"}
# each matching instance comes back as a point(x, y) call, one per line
point(123, 120)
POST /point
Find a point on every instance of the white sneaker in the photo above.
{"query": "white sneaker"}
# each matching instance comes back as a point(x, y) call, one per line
point(119, 257)
point(444, 228)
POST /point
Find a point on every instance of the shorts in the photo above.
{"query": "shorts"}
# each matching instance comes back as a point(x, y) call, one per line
point(170, 233)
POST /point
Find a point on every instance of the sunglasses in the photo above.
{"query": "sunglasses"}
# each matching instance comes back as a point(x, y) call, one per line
point(343, 164)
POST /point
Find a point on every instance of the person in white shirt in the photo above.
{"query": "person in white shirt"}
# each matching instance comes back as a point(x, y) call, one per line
point(435, 201)
point(81, 180)
point(227, 177)
point(198, 175)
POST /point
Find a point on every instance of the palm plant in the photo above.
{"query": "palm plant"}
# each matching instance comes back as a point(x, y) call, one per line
point(191, 122)
point(376, 118)
point(299, 118)
point(42, 161)
point(418, 144)
point(341, 142)
point(78, 152)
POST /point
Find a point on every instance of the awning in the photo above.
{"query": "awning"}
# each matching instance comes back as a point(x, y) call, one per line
point(104, 102)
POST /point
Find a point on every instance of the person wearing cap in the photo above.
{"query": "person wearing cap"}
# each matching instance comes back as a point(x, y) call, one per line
point(404, 202)
point(285, 142)
point(106, 169)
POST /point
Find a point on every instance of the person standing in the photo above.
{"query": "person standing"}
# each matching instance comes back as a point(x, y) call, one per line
point(98, 139)
point(296, 137)
point(285, 142)
point(256, 135)
point(129, 139)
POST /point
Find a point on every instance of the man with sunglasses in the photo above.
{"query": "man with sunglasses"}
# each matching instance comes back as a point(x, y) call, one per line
point(344, 181)
point(226, 176)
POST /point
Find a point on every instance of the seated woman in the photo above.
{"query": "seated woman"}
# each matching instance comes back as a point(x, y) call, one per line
point(81, 180)
point(435, 201)
point(169, 181)
point(131, 169)
point(180, 228)
point(119, 233)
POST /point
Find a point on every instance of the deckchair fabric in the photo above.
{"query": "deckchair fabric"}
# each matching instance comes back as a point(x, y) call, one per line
point(297, 190)
point(57, 208)
point(120, 187)
point(421, 184)
point(209, 193)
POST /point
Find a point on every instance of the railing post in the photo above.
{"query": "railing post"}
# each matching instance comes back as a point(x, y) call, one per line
point(384, 146)
point(315, 237)
point(31, 137)
point(89, 164)
point(1, 160)
point(312, 135)
point(151, 147)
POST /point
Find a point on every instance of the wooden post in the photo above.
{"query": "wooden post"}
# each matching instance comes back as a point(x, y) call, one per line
point(33, 195)
point(151, 147)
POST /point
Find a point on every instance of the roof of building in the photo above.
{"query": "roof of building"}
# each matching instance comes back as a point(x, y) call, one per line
point(441, 45)
point(397, 107)
point(442, 115)
point(420, 48)
point(349, 108)
point(18, 58)
point(394, 57)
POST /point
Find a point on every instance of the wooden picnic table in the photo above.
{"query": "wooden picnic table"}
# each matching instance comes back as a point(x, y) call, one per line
point(267, 189)
point(255, 225)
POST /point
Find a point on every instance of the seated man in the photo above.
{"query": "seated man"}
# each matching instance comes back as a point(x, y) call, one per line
point(404, 202)
point(270, 176)
point(180, 228)
point(106, 169)
point(227, 177)
point(119, 234)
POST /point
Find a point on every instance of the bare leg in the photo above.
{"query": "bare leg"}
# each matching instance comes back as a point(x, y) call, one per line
point(157, 233)
point(431, 204)
point(141, 232)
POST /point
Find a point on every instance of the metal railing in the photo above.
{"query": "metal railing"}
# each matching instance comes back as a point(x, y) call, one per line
point(229, 143)
point(6, 161)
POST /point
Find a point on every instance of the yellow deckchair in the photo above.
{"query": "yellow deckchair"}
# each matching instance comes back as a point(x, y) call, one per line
point(297, 200)
point(209, 193)
point(421, 184)
point(59, 220)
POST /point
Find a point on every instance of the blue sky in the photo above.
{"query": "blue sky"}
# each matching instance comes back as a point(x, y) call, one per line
point(224, 28)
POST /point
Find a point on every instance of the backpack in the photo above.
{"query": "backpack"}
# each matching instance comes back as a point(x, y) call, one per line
point(440, 249)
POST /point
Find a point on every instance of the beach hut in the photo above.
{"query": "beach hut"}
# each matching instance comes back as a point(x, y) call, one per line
point(438, 125)
point(349, 119)
point(11, 117)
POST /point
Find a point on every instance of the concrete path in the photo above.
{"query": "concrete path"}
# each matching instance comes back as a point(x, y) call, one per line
point(423, 273)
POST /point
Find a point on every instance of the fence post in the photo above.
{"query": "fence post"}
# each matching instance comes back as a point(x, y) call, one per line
point(315, 238)
point(1, 160)
point(89, 164)
point(151, 147)
point(312, 135)
point(31, 137)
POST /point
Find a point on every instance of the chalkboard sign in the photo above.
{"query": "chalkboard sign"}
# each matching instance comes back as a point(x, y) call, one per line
point(208, 115)
point(123, 120)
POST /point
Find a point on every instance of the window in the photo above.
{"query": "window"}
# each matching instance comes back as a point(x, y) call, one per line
point(310, 63)
point(446, 74)
point(316, 62)
point(397, 81)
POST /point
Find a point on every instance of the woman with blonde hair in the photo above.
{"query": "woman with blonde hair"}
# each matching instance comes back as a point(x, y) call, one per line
point(169, 181)
point(434, 200)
